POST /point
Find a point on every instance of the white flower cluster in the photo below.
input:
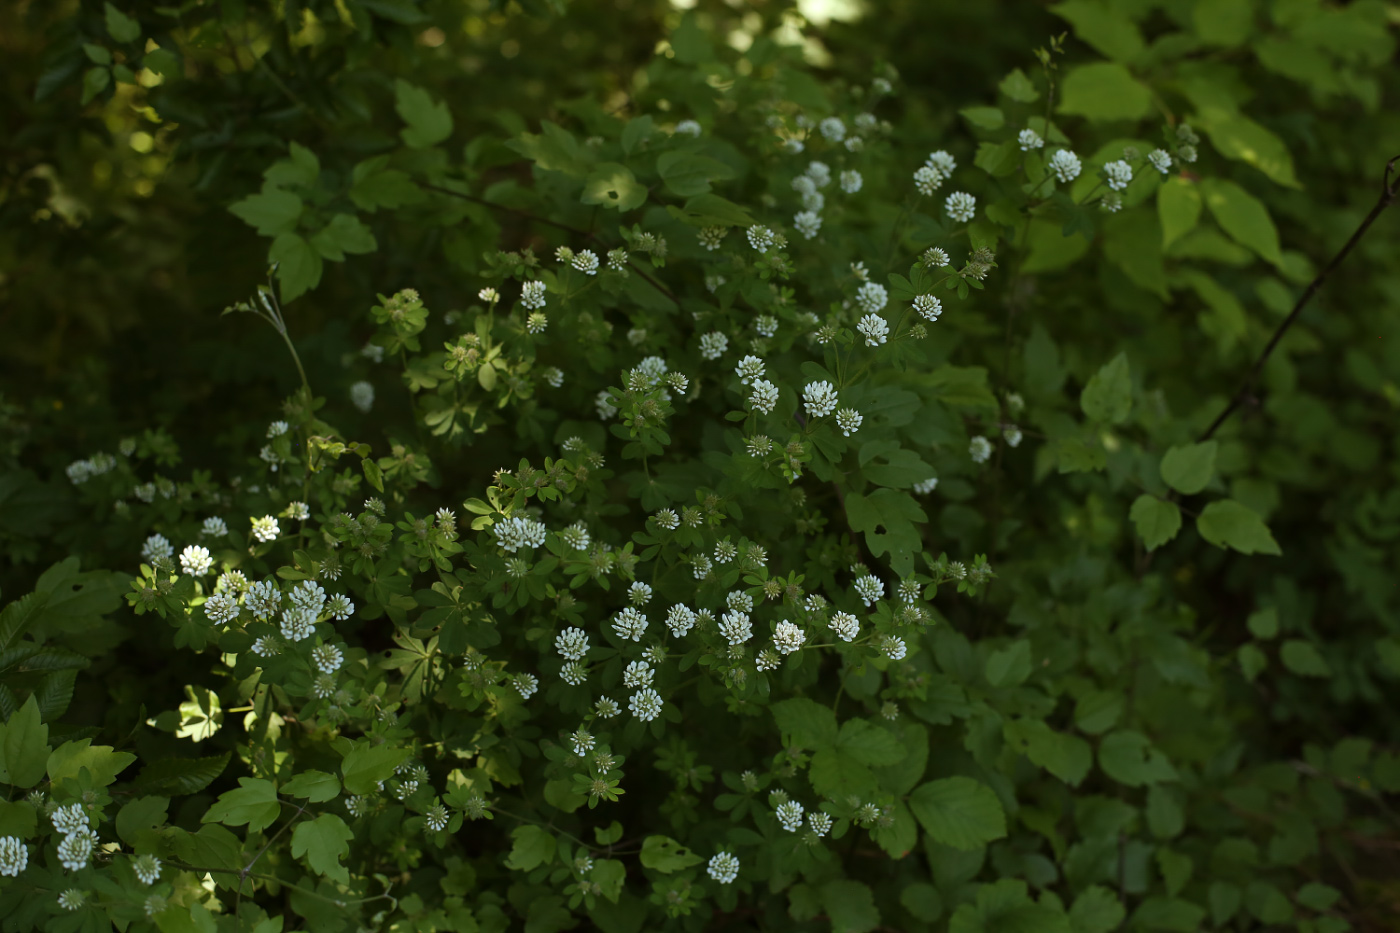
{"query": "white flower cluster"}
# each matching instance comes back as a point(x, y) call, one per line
point(788, 637)
point(928, 306)
point(848, 420)
point(519, 532)
point(80, 471)
point(1029, 139)
point(532, 295)
point(874, 329)
point(961, 206)
point(871, 297)
point(629, 624)
point(764, 397)
point(845, 625)
point(713, 345)
point(790, 815)
point(1118, 174)
point(980, 448)
point(1064, 165)
point(680, 619)
point(723, 867)
point(362, 395)
point(214, 528)
point(14, 856)
point(736, 627)
point(870, 589)
point(645, 704)
point(1161, 160)
point(760, 238)
point(819, 398)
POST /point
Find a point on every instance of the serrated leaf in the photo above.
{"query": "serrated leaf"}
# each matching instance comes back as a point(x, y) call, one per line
point(102, 762)
point(254, 802)
point(711, 210)
point(324, 841)
point(1187, 468)
point(271, 211)
point(1010, 666)
point(1128, 757)
point(24, 746)
point(121, 27)
point(1108, 397)
point(1104, 91)
point(613, 185)
point(315, 786)
point(1303, 659)
point(688, 174)
point(666, 855)
point(810, 724)
point(850, 905)
point(1178, 208)
point(429, 122)
point(959, 812)
point(531, 847)
point(1096, 910)
point(1157, 520)
point(176, 777)
point(366, 765)
point(1227, 523)
point(139, 821)
point(1068, 757)
point(1243, 216)
point(298, 265)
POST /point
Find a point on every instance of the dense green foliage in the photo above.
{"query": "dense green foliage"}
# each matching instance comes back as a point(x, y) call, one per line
point(546, 585)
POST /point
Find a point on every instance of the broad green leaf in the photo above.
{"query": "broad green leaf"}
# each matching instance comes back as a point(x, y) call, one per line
point(1157, 520)
point(868, 743)
point(1128, 757)
point(1104, 91)
point(300, 168)
point(609, 874)
point(1225, 900)
point(367, 765)
point(986, 118)
point(1109, 395)
point(554, 149)
point(531, 846)
point(1102, 26)
point(1097, 711)
point(24, 746)
point(324, 841)
point(1267, 903)
point(711, 210)
point(690, 42)
point(95, 81)
point(1187, 468)
point(18, 818)
point(429, 122)
point(1096, 910)
point(178, 777)
point(666, 855)
point(201, 715)
point(1251, 661)
point(1227, 523)
point(1075, 455)
point(810, 724)
point(1068, 757)
point(1226, 23)
point(102, 762)
point(1010, 666)
point(1132, 241)
point(373, 186)
point(1303, 659)
point(1168, 913)
point(850, 905)
point(922, 900)
point(959, 812)
point(637, 131)
point(139, 822)
point(298, 265)
point(1049, 248)
point(1263, 624)
point(315, 786)
point(97, 54)
point(613, 185)
point(1018, 87)
point(1388, 652)
point(1164, 814)
point(344, 234)
point(688, 174)
point(1176, 868)
point(895, 512)
point(254, 803)
point(1236, 136)
point(1178, 208)
point(1242, 216)
point(270, 212)
point(120, 27)
point(1317, 896)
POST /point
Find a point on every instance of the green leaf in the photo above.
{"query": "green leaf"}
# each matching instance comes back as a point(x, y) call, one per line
point(175, 777)
point(1226, 23)
point(139, 822)
point(691, 43)
point(1109, 395)
point(121, 27)
point(1251, 661)
point(1317, 896)
point(1225, 900)
point(95, 81)
point(1103, 91)
point(1010, 666)
point(666, 855)
point(1267, 903)
point(271, 212)
point(324, 841)
point(1178, 208)
point(1176, 869)
point(1074, 455)
point(896, 512)
point(1097, 711)
point(922, 900)
point(985, 118)
point(868, 743)
point(367, 765)
point(301, 168)
point(613, 185)
point(1132, 241)
point(688, 174)
point(1164, 814)
point(711, 210)
point(1187, 468)
point(373, 473)
point(1068, 757)
point(102, 762)
point(1263, 623)
point(1018, 87)
point(1128, 757)
point(1236, 136)
point(555, 149)
point(1303, 659)
point(373, 186)
point(429, 123)
point(609, 873)
point(1227, 523)
point(1096, 910)
point(298, 265)
point(344, 234)
point(1242, 216)
point(637, 131)
point(201, 715)
point(532, 846)
point(1102, 26)
point(254, 803)
point(1157, 521)
point(850, 905)
point(24, 746)
point(810, 724)
point(1168, 913)
point(97, 54)
point(959, 812)
point(315, 786)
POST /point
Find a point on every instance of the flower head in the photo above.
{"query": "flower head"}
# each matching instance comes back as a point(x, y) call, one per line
point(819, 398)
point(1029, 139)
point(960, 206)
point(723, 867)
point(1064, 165)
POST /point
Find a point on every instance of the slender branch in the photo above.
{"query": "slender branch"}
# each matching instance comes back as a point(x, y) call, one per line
point(1389, 192)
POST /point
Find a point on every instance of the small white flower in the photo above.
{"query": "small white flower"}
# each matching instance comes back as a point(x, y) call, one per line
point(606, 708)
point(637, 674)
point(526, 684)
point(629, 624)
point(845, 625)
point(874, 328)
point(572, 643)
point(586, 262)
point(276, 429)
point(793, 146)
point(340, 607)
point(327, 658)
point(1118, 174)
point(639, 593)
point(870, 589)
point(265, 528)
point(156, 546)
point(848, 420)
point(980, 448)
point(436, 818)
point(71, 899)
point(605, 407)
point(927, 180)
point(865, 121)
point(582, 741)
point(807, 223)
point(764, 397)
point(713, 345)
point(519, 532)
point(214, 528)
point(298, 511)
point(70, 819)
point(680, 619)
point(768, 660)
point(723, 867)
point(851, 181)
point(154, 904)
point(221, 608)
point(833, 129)
point(1029, 139)
point(536, 322)
point(297, 624)
point(1111, 202)
point(1012, 435)
point(738, 599)
point(871, 297)
point(893, 646)
point(760, 238)
point(749, 369)
point(788, 637)
point(362, 395)
point(820, 823)
point(700, 566)
point(820, 173)
point(854, 144)
point(941, 162)
point(553, 375)
point(688, 128)
point(489, 295)
point(532, 295)
point(735, 627)
point(76, 848)
point(928, 306)
point(960, 206)
point(574, 673)
point(924, 487)
point(645, 704)
point(1161, 160)
point(14, 856)
point(710, 237)
point(819, 398)
point(1064, 165)
point(1186, 153)
point(935, 257)
point(766, 324)
point(790, 815)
